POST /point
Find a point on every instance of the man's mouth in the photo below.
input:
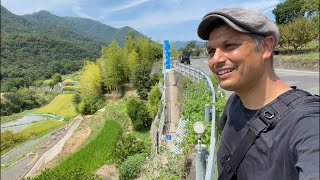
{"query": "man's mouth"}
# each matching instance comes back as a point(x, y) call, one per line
point(225, 71)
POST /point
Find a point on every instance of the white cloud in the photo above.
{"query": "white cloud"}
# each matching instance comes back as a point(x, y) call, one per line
point(130, 4)
point(187, 12)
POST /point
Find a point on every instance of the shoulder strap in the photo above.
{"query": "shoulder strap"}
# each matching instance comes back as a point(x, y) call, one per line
point(264, 120)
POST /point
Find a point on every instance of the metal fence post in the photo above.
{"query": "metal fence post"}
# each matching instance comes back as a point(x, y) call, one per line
point(207, 109)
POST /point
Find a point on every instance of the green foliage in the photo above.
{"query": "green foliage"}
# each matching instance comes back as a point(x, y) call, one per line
point(195, 97)
point(113, 67)
point(67, 174)
point(76, 98)
point(288, 11)
point(90, 80)
point(23, 99)
point(10, 139)
point(128, 145)
point(132, 62)
point(173, 52)
point(34, 47)
point(153, 100)
point(42, 57)
point(130, 168)
point(193, 49)
point(290, 37)
point(141, 79)
point(90, 104)
point(138, 112)
point(40, 128)
point(157, 168)
point(57, 78)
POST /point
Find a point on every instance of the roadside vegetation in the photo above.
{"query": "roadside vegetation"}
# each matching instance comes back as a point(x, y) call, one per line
point(9, 139)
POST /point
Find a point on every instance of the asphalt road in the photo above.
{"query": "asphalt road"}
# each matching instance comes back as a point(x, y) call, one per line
point(305, 80)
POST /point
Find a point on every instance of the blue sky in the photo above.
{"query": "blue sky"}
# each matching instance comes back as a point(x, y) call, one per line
point(173, 20)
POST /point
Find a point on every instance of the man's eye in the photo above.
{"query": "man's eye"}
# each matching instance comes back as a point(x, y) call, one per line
point(231, 46)
point(211, 53)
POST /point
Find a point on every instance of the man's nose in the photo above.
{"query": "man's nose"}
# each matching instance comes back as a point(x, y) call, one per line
point(219, 56)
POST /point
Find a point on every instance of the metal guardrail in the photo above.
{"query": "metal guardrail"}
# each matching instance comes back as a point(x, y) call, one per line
point(198, 75)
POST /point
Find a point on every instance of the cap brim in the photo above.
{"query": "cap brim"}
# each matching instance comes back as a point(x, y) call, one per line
point(205, 27)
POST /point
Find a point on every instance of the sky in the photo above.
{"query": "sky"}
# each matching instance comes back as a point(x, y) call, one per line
point(173, 20)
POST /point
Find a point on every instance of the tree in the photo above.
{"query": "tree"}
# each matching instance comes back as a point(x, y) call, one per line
point(90, 79)
point(132, 62)
point(57, 78)
point(174, 53)
point(288, 11)
point(113, 67)
point(141, 80)
point(296, 34)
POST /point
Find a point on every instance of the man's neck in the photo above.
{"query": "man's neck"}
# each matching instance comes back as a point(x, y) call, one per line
point(268, 89)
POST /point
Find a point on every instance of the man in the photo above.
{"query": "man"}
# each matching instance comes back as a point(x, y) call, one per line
point(270, 130)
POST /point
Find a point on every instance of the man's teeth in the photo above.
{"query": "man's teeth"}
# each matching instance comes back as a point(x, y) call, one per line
point(224, 71)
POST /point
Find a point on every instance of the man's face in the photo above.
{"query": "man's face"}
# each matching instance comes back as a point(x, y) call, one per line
point(234, 59)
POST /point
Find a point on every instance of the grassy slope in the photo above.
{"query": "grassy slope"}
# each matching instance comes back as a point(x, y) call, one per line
point(61, 106)
point(41, 128)
point(96, 152)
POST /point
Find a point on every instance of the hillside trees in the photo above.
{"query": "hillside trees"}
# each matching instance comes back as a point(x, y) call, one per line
point(26, 58)
point(113, 67)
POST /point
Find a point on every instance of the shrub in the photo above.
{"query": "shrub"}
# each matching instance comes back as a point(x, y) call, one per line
point(153, 100)
point(138, 112)
point(128, 145)
point(10, 139)
point(90, 104)
point(130, 168)
point(155, 78)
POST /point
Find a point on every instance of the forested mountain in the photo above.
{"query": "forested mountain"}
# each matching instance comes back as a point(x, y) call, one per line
point(38, 45)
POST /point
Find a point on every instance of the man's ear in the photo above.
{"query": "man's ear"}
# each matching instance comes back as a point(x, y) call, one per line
point(268, 44)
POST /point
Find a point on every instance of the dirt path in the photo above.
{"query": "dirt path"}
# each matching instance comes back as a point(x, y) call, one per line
point(53, 151)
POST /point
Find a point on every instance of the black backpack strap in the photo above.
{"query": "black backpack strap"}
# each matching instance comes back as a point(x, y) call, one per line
point(264, 120)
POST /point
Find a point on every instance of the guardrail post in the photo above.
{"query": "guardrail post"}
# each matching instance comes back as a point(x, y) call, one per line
point(207, 112)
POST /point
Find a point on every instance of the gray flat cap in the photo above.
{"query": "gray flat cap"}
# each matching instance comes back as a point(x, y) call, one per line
point(242, 20)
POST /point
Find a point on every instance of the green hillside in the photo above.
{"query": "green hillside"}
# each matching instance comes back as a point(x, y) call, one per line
point(37, 45)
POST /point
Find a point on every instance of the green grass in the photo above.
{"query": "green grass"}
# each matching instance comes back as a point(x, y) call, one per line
point(61, 106)
point(41, 128)
point(46, 82)
point(74, 76)
point(96, 153)
point(68, 81)
point(118, 112)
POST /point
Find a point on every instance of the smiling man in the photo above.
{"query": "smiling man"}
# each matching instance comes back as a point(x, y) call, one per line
point(270, 130)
